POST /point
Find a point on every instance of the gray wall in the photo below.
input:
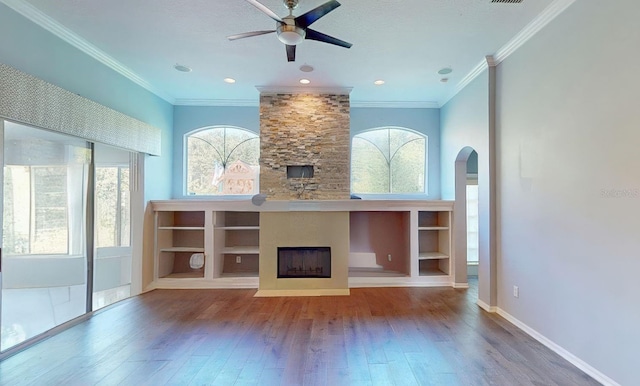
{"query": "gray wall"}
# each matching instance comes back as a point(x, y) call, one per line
point(568, 184)
point(465, 122)
point(33, 50)
point(567, 135)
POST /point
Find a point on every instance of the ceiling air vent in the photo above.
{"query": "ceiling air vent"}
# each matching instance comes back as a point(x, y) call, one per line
point(507, 1)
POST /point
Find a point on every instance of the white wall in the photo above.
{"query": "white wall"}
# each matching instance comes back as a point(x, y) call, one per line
point(569, 190)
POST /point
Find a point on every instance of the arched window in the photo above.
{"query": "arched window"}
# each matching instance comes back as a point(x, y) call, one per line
point(222, 161)
point(388, 160)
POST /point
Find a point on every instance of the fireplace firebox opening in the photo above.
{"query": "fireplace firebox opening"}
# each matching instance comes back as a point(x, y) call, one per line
point(304, 171)
point(304, 262)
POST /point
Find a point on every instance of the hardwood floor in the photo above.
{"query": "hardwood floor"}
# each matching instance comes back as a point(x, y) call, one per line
point(376, 336)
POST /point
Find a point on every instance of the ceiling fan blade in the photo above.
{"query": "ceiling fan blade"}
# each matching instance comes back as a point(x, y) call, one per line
point(265, 10)
point(291, 53)
point(319, 36)
point(312, 16)
point(249, 34)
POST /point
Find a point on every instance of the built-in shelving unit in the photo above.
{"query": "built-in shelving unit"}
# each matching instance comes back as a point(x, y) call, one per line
point(391, 242)
point(434, 243)
point(379, 244)
point(236, 241)
point(178, 236)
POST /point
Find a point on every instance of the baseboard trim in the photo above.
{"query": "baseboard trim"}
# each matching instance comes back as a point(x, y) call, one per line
point(486, 307)
point(460, 285)
point(574, 360)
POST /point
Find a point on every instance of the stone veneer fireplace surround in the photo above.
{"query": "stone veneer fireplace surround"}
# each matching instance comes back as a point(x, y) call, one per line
point(305, 130)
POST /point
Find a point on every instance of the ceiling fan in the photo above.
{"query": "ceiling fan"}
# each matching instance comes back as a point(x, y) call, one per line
point(293, 30)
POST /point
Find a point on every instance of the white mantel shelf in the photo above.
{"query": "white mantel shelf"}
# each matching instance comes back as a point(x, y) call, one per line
point(304, 205)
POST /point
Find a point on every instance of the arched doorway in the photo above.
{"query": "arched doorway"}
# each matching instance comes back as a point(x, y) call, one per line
point(466, 161)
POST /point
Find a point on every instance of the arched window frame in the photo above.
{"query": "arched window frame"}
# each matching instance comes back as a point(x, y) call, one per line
point(224, 158)
point(420, 194)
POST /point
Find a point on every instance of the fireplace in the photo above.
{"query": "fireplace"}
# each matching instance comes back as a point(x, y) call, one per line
point(304, 262)
point(327, 232)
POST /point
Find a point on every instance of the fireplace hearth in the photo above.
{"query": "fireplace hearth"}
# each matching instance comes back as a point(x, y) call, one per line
point(304, 262)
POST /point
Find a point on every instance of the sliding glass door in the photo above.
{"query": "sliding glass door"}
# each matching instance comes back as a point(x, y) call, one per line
point(44, 259)
point(112, 256)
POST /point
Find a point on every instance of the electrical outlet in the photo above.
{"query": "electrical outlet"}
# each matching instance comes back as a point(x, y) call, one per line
point(389, 257)
point(239, 259)
point(516, 291)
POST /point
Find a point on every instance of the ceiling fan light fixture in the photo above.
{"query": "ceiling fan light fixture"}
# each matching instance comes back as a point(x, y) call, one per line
point(290, 35)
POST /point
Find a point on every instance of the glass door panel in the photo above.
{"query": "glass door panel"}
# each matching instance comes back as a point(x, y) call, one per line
point(44, 260)
point(112, 225)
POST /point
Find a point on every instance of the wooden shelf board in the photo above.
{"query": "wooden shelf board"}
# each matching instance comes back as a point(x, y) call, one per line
point(432, 256)
point(179, 228)
point(185, 275)
point(374, 272)
point(183, 249)
point(432, 272)
point(433, 228)
point(240, 228)
point(240, 274)
point(241, 250)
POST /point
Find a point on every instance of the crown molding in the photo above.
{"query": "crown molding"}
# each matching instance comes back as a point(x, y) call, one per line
point(396, 104)
point(38, 17)
point(304, 90)
point(218, 102)
point(548, 14)
point(491, 62)
point(474, 73)
point(256, 103)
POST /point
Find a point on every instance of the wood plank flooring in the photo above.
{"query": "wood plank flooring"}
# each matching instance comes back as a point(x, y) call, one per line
point(376, 336)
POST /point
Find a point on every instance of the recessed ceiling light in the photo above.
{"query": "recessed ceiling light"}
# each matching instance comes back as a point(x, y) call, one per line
point(444, 80)
point(445, 71)
point(229, 80)
point(182, 68)
point(379, 82)
point(306, 68)
point(305, 81)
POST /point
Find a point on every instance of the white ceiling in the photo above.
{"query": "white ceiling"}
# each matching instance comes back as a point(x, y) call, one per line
point(404, 42)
